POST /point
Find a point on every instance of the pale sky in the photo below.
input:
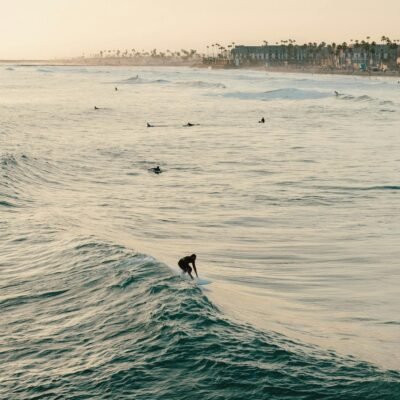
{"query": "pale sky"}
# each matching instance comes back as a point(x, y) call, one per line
point(64, 28)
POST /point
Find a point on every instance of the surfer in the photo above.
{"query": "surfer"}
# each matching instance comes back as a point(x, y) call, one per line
point(336, 93)
point(116, 89)
point(150, 125)
point(156, 170)
point(262, 121)
point(189, 124)
point(96, 108)
point(185, 267)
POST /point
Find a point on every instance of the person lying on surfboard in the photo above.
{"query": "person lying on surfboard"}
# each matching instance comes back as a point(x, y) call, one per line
point(185, 267)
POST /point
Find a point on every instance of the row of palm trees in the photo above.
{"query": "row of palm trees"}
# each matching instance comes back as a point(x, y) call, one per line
point(216, 50)
point(154, 53)
point(313, 50)
point(384, 40)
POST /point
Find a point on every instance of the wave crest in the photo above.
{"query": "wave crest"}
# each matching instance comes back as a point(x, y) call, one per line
point(280, 94)
point(203, 84)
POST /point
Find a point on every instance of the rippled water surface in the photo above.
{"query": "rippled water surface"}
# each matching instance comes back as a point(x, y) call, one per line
point(295, 221)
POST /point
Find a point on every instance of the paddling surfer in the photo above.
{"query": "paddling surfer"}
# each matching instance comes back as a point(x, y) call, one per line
point(156, 170)
point(185, 267)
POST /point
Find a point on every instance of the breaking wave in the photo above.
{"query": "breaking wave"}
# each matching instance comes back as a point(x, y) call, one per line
point(280, 94)
point(101, 321)
point(202, 84)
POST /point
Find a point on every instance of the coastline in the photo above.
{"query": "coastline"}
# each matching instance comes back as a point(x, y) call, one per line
point(325, 71)
point(123, 62)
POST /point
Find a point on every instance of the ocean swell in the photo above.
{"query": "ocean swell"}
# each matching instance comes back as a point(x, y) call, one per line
point(20, 173)
point(135, 80)
point(280, 94)
point(109, 322)
point(202, 84)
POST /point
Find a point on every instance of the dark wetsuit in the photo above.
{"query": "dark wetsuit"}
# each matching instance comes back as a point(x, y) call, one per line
point(156, 170)
point(185, 267)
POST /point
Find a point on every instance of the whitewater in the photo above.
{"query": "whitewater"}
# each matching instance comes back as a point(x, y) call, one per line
point(296, 222)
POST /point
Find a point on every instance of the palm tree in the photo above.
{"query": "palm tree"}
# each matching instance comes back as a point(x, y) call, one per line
point(366, 47)
point(373, 50)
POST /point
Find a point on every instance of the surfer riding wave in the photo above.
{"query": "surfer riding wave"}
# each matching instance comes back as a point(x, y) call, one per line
point(185, 267)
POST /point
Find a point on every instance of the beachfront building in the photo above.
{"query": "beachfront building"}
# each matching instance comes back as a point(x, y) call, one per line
point(274, 55)
point(363, 56)
point(370, 56)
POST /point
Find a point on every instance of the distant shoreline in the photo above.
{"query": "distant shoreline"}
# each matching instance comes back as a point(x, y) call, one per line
point(99, 62)
point(324, 71)
point(95, 62)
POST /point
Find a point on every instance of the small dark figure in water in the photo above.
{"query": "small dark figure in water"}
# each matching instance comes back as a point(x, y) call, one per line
point(336, 93)
point(116, 89)
point(96, 108)
point(189, 124)
point(185, 267)
point(150, 126)
point(156, 170)
point(262, 121)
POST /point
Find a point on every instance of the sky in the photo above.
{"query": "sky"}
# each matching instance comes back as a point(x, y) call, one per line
point(38, 29)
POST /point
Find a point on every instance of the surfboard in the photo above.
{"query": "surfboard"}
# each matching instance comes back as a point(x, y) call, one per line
point(202, 281)
point(197, 281)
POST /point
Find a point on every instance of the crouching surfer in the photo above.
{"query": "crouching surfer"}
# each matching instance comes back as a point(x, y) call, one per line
point(185, 267)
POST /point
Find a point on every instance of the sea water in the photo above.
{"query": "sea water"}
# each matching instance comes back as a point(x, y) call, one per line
point(295, 221)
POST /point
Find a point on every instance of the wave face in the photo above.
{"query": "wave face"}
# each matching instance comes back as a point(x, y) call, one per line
point(134, 80)
point(105, 322)
point(18, 173)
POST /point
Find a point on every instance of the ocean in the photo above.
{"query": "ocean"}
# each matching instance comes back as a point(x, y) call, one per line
point(296, 221)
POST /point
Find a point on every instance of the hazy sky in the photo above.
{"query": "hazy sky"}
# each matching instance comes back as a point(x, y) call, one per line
point(57, 28)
